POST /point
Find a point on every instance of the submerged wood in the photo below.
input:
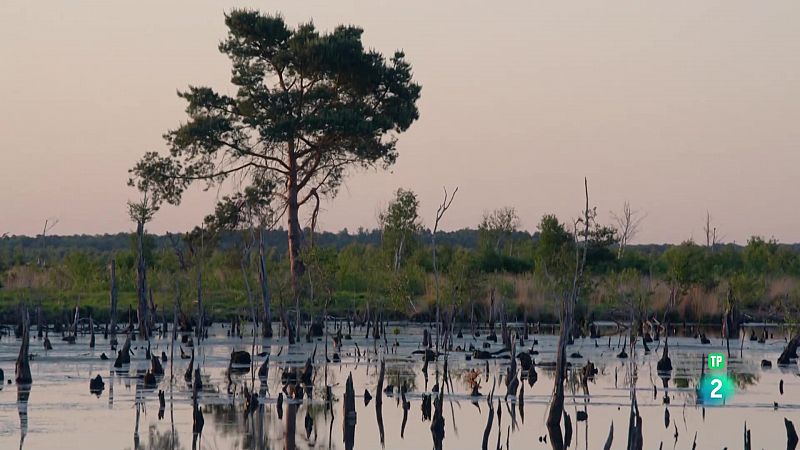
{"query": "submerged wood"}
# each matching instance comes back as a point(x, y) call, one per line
point(489, 420)
point(96, 385)
point(155, 366)
point(91, 338)
point(747, 441)
point(379, 403)
point(124, 355)
point(263, 370)
point(790, 352)
point(437, 423)
point(189, 370)
point(379, 389)
point(567, 430)
point(556, 409)
point(665, 363)
point(635, 439)
point(23, 367)
point(349, 413)
point(791, 435)
point(512, 383)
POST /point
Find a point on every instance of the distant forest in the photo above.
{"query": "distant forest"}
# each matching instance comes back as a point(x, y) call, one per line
point(19, 250)
point(523, 272)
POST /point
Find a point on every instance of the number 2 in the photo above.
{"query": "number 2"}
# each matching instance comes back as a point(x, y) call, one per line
point(715, 392)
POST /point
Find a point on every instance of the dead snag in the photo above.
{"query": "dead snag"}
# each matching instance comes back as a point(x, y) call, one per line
point(512, 383)
point(155, 366)
point(23, 367)
point(791, 435)
point(379, 402)
point(790, 352)
point(124, 355)
point(747, 441)
point(610, 438)
point(437, 424)
point(566, 317)
point(489, 420)
point(349, 406)
point(91, 338)
point(665, 363)
point(379, 389)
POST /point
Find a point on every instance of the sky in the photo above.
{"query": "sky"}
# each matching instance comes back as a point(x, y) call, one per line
point(678, 107)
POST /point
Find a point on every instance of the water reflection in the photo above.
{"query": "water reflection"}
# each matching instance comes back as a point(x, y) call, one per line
point(309, 410)
point(23, 396)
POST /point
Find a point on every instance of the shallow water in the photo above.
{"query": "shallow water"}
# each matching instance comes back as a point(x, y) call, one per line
point(61, 413)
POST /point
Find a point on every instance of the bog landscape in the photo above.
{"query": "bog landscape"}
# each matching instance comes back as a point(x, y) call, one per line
point(259, 327)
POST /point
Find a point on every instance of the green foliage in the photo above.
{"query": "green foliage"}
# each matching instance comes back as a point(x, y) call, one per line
point(351, 270)
point(747, 289)
point(400, 224)
point(555, 250)
point(688, 264)
point(498, 227)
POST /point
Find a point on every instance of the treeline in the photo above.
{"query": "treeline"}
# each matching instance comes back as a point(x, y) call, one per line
point(390, 269)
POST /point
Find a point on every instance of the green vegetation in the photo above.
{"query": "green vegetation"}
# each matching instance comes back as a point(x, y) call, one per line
point(390, 270)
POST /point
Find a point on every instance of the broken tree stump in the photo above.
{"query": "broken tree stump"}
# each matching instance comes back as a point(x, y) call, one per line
point(23, 367)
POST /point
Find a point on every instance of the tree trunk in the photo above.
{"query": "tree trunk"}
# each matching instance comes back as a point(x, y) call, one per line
point(114, 296)
point(200, 319)
point(295, 234)
point(141, 275)
point(23, 368)
point(557, 400)
point(266, 328)
point(91, 326)
point(436, 281)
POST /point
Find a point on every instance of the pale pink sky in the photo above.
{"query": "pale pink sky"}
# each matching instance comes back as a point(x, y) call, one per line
point(678, 107)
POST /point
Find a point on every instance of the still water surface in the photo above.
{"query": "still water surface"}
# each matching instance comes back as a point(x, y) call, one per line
point(61, 412)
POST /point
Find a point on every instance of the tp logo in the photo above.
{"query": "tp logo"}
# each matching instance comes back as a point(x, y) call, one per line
point(716, 388)
point(716, 361)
